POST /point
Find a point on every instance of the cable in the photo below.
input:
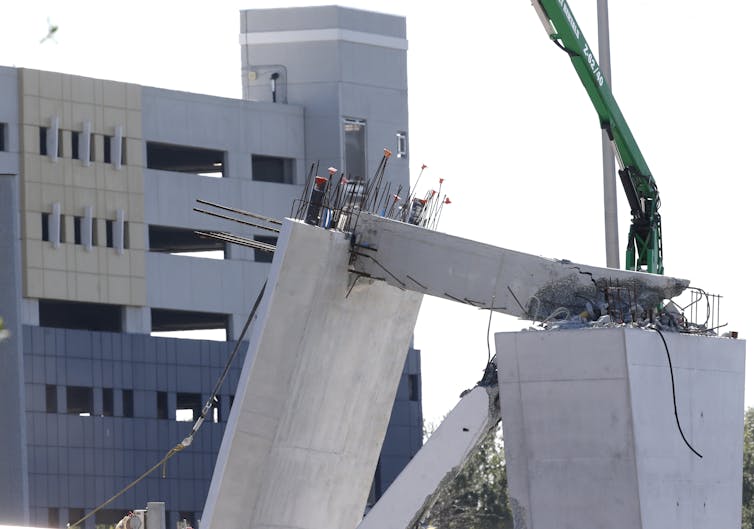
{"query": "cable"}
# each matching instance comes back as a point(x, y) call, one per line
point(675, 406)
point(190, 437)
point(489, 325)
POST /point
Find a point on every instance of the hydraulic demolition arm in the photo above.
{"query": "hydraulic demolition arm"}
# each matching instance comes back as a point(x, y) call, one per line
point(644, 251)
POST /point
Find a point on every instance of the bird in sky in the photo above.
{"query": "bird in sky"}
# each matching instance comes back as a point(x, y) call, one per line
point(52, 29)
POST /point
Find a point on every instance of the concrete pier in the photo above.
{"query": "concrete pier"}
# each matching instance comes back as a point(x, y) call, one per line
point(315, 394)
point(590, 433)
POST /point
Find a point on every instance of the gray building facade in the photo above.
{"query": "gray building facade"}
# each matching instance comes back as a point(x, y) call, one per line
point(97, 184)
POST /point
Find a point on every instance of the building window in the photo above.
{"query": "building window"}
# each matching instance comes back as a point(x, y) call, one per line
point(75, 145)
point(45, 226)
point(401, 148)
point(261, 256)
point(80, 315)
point(80, 401)
point(188, 407)
point(123, 157)
point(92, 147)
point(128, 403)
point(77, 230)
point(53, 517)
point(354, 138)
point(272, 169)
point(3, 136)
point(62, 238)
point(107, 402)
point(162, 405)
point(75, 514)
point(108, 140)
point(215, 326)
point(107, 518)
point(43, 140)
point(413, 387)
point(182, 241)
point(51, 398)
point(109, 233)
point(185, 159)
point(60, 143)
point(95, 233)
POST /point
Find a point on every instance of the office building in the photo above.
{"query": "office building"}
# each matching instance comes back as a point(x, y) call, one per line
point(97, 246)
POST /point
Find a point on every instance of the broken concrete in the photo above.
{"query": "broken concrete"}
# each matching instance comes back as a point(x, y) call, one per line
point(485, 276)
point(438, 462)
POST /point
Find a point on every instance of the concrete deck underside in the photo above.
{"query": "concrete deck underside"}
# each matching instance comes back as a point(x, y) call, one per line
point(590, 434)
point(315, 394)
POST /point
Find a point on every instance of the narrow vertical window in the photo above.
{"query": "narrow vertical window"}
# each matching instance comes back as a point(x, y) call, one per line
point(128, 403)
point(123, 157)
point(45, 226)
point(413, 388)
point(42, 140)
point(53, 517)
point(108, 141)
point(162, 405)
point(60, 143)
point(107, 402)
point(92, 147)
point(63, 237)
point(51, 398)
point(77, 230)
point(3, 138)
point(354, 138)
point(75, 145)
point(109, 233)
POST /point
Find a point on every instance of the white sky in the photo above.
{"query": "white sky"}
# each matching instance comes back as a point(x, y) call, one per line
point(496, 110)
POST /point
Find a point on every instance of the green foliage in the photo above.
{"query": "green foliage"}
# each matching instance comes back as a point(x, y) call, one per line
point(477, 497)
point(3, 331)
point(747, 518)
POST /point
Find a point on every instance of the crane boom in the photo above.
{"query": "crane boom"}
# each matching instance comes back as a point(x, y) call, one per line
point(644, 250)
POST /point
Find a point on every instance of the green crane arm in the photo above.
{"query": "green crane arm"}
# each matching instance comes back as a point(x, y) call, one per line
point(644, 251)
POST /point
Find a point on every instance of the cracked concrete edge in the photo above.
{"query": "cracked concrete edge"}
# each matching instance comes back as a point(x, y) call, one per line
point(493, 419)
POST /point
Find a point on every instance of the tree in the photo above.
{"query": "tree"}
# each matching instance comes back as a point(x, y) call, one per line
point(747, 511)
point(477, 497)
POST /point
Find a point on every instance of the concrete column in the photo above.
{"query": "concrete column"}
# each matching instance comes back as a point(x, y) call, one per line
point(590, 434)
point(315, 394)
point(137, 320)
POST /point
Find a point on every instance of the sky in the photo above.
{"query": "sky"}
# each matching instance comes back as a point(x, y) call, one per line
point(498, 112)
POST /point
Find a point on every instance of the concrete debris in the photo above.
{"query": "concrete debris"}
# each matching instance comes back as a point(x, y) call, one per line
point(668, 318)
